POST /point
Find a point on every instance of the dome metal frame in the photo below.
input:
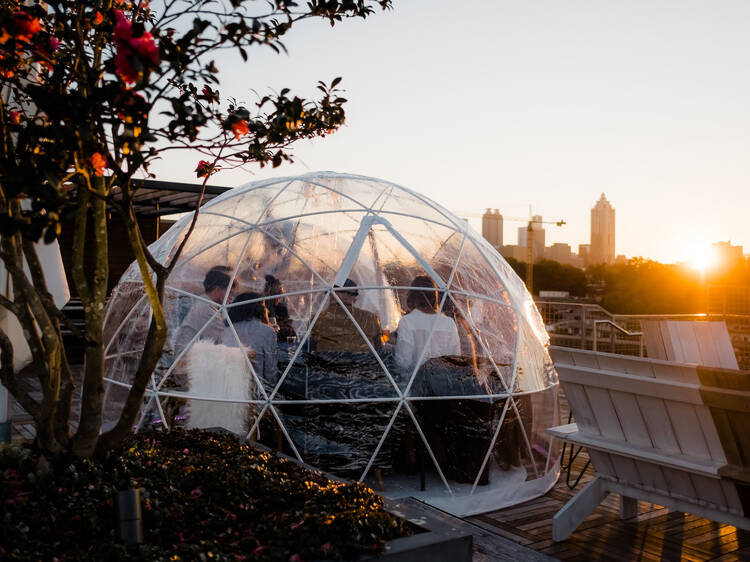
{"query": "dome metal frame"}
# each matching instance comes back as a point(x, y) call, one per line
point(521, 305)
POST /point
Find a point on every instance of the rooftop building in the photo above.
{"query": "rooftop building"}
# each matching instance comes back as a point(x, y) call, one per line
point(539, 236)
point(492, 227)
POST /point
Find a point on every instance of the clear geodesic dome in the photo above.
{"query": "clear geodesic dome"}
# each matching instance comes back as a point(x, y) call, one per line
point(357, 326)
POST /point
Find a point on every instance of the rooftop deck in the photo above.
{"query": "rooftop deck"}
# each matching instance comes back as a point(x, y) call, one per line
point(655, 534)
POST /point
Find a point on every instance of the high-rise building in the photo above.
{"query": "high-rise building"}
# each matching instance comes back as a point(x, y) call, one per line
point(563, 253)
point(518, 253)
point(584, 252)
point(727, 257)
point(492, 227)
point(602, 232)
point(539, 236)
point(559, 252)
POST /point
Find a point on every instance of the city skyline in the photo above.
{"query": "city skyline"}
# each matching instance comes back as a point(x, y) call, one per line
point(602, 238)
point(547, 104)
point(714, 257)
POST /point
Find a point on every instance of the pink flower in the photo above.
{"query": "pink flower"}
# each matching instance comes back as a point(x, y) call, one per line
point(205, 168)
point(295, 558)
point(123, 27)
point(46, 48)
point(129, 48)
point(14, 116)
point(210, 95)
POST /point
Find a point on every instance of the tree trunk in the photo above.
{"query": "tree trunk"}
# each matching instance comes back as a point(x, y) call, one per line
point(85, 440)
point(157, 336)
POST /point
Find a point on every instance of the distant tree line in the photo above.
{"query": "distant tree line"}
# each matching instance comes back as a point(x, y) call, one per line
point(639, 286)
point(647, 287)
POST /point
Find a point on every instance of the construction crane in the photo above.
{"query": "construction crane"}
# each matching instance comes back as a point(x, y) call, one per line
point(531, 221)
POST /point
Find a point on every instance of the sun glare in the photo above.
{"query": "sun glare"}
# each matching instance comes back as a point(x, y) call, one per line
point(702, 257)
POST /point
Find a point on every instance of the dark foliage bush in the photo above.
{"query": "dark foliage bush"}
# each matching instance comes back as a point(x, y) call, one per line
point(205, 496)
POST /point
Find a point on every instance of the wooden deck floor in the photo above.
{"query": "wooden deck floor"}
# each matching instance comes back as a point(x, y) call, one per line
point(655, 534)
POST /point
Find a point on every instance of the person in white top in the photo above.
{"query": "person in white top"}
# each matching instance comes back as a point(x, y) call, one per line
point(414, 328)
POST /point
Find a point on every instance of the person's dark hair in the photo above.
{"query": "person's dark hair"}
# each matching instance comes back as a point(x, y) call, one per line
point(449, 307)
point(249, 310)
point(426, 301)
point(271, 283)
point(217, 276)
point(352, 286)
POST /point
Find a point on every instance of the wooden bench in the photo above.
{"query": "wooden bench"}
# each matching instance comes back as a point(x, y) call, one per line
point(674, 434)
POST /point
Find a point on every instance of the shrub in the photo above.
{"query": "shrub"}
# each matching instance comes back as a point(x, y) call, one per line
point(205, 496)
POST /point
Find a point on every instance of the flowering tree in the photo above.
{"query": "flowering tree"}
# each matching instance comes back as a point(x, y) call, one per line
point(93, 93)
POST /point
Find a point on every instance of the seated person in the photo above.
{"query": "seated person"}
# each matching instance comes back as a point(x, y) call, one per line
point(250, 320)
point(469, 347)
point(415, 328)
point(277, 309)
point(334, 331)
point(202, 318)
point(215, 286)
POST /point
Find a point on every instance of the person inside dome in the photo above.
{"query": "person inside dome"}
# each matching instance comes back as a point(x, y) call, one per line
point(278, 313)
point(414, 328)
point(215, 285)
point(334, 331)
point(250, 320)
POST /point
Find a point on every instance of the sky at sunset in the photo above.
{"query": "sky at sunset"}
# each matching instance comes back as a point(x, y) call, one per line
point(506, 104)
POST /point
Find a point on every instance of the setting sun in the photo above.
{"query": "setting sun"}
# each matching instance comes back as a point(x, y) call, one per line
point(702, 257)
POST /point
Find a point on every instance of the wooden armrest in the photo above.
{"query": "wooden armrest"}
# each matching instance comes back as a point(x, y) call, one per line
point(706, 467)
point(562, 431)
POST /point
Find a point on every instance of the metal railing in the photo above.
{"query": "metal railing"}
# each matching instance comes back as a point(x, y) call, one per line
point(614, 328)
point(574, 324)
point(583, 325)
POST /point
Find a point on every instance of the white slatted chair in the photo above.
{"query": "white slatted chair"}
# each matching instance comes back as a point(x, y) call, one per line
point(651, 436)
point(702, 342)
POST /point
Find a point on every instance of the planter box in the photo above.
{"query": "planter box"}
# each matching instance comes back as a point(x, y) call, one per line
point(434, 540)
point(438, 541)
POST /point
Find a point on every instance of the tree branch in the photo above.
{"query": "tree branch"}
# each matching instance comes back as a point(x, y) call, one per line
point(79, 246)
point(10, 381)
